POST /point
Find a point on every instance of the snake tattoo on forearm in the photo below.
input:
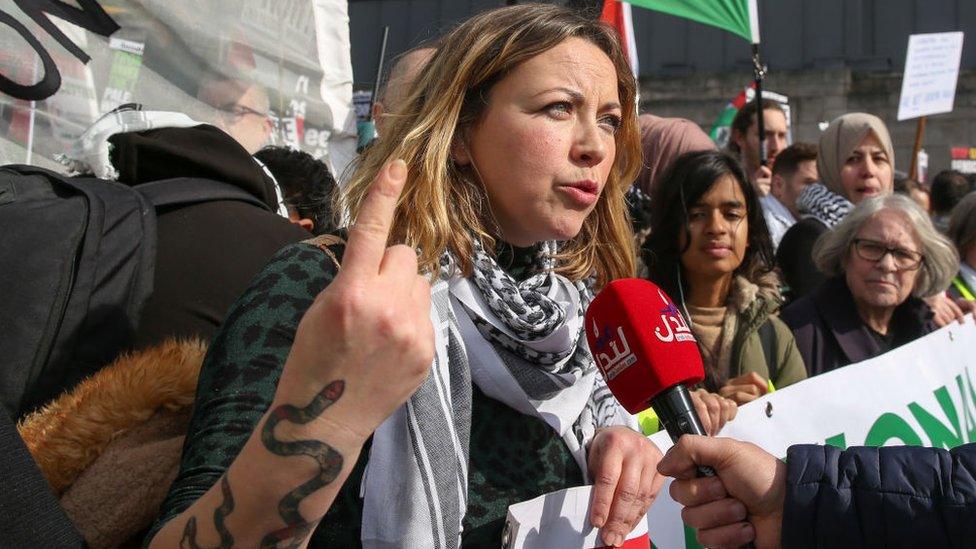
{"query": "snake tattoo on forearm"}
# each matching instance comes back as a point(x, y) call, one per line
point(189, 539)
point(330, 465)
point(329, 461)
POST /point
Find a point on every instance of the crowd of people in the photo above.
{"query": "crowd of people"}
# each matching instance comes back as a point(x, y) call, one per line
point(396, 360)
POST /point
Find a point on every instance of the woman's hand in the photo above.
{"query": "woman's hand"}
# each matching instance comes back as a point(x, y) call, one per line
point(361, 349)
point(369, 329)
point(623, 466)
point(945, 310)
point(713, 410)
point(745, 388)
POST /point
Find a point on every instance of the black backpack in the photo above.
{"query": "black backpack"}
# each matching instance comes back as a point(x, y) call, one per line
point(76, 266)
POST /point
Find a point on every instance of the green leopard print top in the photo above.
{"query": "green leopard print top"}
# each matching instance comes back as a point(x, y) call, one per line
point(514, 457)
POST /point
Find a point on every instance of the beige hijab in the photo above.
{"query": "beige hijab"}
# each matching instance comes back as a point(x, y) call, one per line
point(663, 140)
point(840, 139)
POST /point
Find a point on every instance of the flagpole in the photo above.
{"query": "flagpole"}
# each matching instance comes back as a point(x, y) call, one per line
point(379, 72)
point(366, 129)
point(759, 74)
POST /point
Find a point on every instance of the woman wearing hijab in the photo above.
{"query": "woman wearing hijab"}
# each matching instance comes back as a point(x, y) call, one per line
point(349, 400)
point(664, 140)
point(855, 161)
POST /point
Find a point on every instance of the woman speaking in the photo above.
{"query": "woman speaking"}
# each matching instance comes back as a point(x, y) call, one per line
point(350, 400)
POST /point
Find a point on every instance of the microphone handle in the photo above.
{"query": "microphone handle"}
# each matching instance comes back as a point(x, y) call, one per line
point(677, 413)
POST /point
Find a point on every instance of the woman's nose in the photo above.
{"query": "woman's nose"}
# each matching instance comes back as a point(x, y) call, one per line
point(589, 148)
point(870, 168)
point(887, 263)
point(716, 223)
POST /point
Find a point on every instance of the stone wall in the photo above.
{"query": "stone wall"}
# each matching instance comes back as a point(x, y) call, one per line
point(821, 95)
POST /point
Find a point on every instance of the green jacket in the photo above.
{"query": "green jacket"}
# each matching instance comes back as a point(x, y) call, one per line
point(758, 333)
point(757, 306)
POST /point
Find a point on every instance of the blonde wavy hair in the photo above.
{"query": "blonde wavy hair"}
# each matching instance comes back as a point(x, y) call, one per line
point(440, 198)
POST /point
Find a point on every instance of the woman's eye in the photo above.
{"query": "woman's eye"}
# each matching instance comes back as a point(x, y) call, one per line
point(880, 158)
point(733, 215)
point(559, 109)
point(611, 122)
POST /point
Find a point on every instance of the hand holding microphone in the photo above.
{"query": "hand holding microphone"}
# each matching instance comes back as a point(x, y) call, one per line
point(743, 503)
point(646, 352)
point(649, 356)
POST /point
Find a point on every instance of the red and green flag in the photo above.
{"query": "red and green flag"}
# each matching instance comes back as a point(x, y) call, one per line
point(617, 14)
point(736, 16)
point(723, 125)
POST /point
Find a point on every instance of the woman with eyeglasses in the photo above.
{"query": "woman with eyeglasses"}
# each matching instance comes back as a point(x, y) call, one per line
point(855, 161)
point(880, 259)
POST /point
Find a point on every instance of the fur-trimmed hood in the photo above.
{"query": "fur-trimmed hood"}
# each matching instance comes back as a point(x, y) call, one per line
point(756, 299)
point(110, 448)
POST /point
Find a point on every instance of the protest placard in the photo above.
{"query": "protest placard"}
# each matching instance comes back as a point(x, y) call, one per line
point(931, 72)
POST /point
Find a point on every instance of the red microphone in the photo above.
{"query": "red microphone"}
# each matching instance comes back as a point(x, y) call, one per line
point(648, 355)
point(646, 352)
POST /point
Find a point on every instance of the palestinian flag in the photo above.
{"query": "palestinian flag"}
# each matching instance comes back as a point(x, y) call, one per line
point(722, 128)
point(736, 16)
point(617, 14)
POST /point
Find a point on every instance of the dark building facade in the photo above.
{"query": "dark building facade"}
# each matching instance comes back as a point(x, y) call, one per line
point(828, 56)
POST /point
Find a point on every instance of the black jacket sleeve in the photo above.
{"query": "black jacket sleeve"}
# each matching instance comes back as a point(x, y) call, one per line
point(30, 515)
point(880, 497)
point(795, 257)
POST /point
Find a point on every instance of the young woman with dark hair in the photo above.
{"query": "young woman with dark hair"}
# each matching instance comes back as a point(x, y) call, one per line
point(710, 250)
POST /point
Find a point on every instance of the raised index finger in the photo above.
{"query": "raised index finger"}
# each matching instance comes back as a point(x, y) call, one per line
point(369, 234)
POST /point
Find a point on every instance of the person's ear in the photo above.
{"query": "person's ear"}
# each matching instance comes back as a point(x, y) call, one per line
point(304, 223)
point(739, 139)
point(378, 110)
point(459, 151)
point(776, 185)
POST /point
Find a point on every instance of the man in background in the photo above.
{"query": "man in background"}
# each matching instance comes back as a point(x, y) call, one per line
point(242, 110)
point(393, 95)
point(744, 141)
point(307, 186)
point(948, 188)
point(795, 168)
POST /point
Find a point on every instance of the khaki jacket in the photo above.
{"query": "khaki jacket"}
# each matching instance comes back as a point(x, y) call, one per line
point(758, 304)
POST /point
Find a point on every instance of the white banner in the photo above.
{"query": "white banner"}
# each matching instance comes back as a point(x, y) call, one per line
point(266, 71)
point(560, 519)
point(923, 393)
point(931, 74)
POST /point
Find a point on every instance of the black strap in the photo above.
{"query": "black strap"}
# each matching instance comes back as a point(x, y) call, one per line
point(190, 190)
point(30, 515)
point(169, 192)
point(767, 338)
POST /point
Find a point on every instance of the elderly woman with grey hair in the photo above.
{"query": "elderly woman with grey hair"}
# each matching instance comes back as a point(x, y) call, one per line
point(855, 160)
point(880, 259)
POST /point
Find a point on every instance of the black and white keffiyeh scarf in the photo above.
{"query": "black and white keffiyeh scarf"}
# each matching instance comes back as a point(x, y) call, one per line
point(823, 204)
point(522, 343)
